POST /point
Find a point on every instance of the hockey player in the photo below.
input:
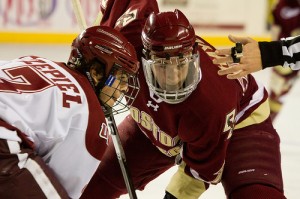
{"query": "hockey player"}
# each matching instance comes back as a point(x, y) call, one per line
point(215, 129)
point(53, 131)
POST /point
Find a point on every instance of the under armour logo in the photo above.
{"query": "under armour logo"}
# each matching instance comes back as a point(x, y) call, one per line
point(155, 107)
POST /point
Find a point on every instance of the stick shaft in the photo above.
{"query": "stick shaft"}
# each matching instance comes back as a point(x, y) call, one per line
point(79, 14)
point(121, 156)
point(98, 19)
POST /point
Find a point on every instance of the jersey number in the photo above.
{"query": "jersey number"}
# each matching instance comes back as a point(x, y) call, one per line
point(23, 79)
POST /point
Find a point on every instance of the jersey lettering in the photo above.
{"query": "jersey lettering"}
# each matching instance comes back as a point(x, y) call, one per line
point(147, 122)
point(70, 91)
point(171, 152)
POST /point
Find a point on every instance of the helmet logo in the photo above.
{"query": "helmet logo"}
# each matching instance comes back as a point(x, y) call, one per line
point(110, 35)
point(103, 49)
point(172, 47)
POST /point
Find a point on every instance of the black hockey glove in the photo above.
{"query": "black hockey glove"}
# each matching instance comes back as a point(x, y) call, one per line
point(169, 196)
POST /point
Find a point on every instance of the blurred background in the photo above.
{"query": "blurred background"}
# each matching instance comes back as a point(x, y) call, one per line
point(47, 27)
point(52, 21)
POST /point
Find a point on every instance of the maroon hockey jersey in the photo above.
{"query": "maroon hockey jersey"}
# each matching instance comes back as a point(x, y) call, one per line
point(200, 127)
point(57, 111)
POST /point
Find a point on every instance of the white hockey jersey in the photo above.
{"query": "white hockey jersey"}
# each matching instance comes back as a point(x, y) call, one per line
point(57, 109)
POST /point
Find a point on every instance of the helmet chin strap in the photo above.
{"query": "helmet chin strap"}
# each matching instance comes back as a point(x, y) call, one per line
point(89, 77)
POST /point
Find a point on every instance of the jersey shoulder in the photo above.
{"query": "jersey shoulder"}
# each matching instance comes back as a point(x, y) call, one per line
point(119, 14)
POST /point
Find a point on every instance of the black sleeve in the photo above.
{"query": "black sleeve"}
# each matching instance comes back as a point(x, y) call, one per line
point(271, 53)
point(285, 52)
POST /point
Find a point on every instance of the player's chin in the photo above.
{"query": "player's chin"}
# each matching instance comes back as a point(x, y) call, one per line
point(110, 102)
point(173, 86)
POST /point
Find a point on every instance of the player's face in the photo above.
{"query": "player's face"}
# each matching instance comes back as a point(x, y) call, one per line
point(110, 93)
point(170, 74)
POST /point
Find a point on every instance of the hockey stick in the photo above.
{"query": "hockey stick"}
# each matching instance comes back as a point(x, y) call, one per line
point(98, 19)
point(110, 119)
point(121, 156)
point(78, 12)
point(77, 9)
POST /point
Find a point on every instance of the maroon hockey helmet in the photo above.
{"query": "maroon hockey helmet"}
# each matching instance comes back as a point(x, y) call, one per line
point(171, 62)
point(168, 32)
point(106, 45)
point(112, 52)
